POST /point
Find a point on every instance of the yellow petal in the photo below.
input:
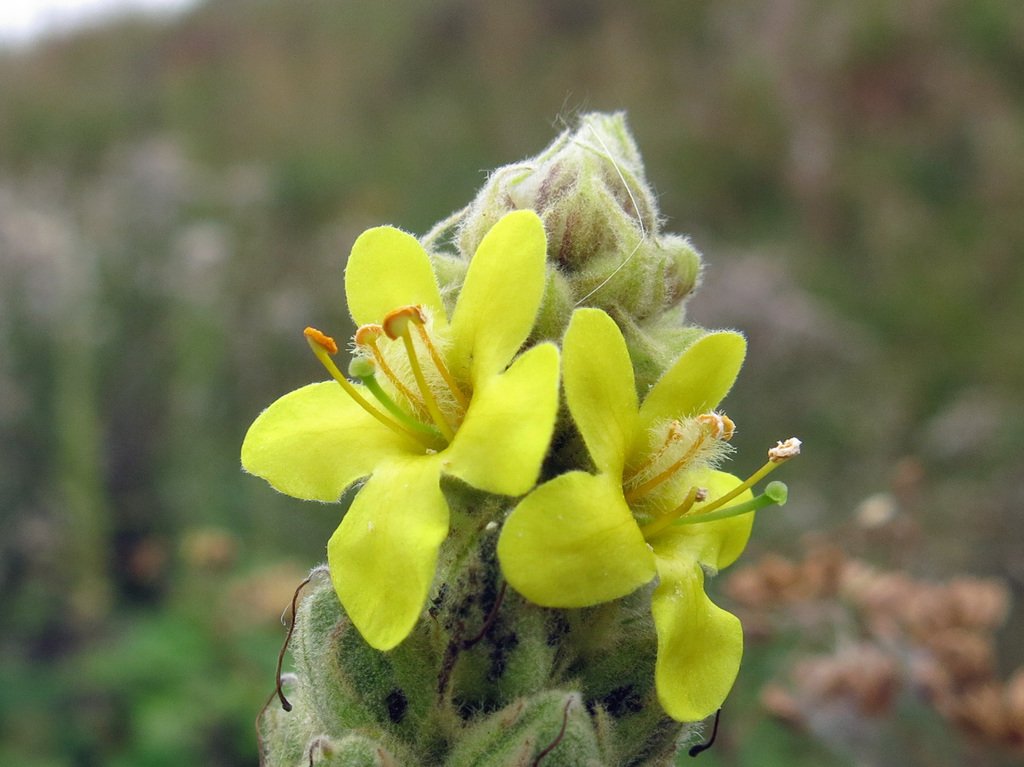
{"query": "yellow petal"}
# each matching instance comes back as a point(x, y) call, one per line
point(573, 542)
point(700, 645)
point(600, 388)
point(383, 555)
point(502, 442)
point(698, 380)
point(388, 268)
point(316, 441)
point(500, 298)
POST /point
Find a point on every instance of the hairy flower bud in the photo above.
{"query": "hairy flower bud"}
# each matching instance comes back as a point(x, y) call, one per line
point(352, 750)
point(602, 221)
point(554, 726)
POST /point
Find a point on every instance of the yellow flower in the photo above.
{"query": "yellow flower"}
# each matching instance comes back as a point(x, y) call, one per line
point(582, 539)
point(434, 397)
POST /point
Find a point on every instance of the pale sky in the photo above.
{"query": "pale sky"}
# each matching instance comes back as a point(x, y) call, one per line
point(24, 20)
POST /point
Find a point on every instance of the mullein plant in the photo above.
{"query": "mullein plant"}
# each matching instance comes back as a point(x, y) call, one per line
point(526, 455)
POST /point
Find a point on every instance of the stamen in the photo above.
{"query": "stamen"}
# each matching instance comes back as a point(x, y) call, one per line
point(396, 322)
point(363, 369)
point(435, 357)
point(321, 345)
point(783, 451)
point(712, 425)
point(775, 494)
point(777, 456)
point(640, 491)
point(696, 495)
point(673, 434)
point(366, 336)
point(720, 425)
point(322, 339)
point(396, 325)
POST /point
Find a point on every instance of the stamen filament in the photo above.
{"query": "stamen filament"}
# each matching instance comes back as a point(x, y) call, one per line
point(775, 494)
point(643, 489)
point(441, 367)
point(660, 523)
point(674, 432)
point(752, 480)
point(367, 336)
point(316, 343)
point(362, 369)
point(396, 325)
point(428, 396)
point(777, 456)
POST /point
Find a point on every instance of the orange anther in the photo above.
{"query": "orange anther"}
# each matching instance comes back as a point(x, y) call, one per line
point(366, 335)
point(321, 339)
point(720, 425)
point(396, 321)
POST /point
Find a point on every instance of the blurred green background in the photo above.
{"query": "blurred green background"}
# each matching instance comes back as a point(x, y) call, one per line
point(176, 202)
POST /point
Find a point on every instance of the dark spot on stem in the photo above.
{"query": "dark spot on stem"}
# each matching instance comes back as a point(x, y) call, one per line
point(621, 701)
point(397, 704)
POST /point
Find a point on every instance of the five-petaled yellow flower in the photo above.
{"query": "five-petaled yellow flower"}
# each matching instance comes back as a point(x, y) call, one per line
point(582, 539)
point(434, 396)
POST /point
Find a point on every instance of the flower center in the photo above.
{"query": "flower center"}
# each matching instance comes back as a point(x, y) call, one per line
point(686, 445)
point(416, 394)
point(664, 475)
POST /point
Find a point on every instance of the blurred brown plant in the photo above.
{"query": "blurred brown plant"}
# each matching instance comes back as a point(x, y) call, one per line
point(894, 635)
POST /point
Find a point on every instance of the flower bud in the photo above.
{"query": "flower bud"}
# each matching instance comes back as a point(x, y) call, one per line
point(554, 725)
point(355, 685)
point(601, 218)
point(351, 750)
point(451, 273)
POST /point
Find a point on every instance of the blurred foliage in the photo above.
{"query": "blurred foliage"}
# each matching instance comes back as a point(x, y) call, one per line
point(176, 200)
